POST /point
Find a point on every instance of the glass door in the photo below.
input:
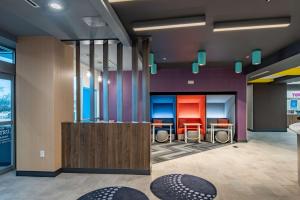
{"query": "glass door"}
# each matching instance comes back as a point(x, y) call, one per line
point(7, 144)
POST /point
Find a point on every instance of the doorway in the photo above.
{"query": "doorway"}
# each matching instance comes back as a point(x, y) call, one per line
point(7, 130)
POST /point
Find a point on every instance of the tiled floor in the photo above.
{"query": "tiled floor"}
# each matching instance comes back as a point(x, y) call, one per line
point(168, 151)
point(265, 168)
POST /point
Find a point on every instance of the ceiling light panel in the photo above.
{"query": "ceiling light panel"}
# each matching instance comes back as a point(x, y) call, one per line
point(281, 22)
point(94, 22)
point(173, 23)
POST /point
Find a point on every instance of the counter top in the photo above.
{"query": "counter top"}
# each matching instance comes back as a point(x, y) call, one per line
point(103, 122)
point(295, 127)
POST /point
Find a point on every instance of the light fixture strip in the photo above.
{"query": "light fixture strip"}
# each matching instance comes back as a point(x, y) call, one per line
point(259, 74)
point(169, 26)
point(169, 23)
point(251, 27)
point(252, 24)
point(118, 1)
point(32, 3)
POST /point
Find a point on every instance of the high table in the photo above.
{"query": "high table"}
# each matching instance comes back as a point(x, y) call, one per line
point(161, 124)
point(296, 128)
point(227, 127)
point(186, 125)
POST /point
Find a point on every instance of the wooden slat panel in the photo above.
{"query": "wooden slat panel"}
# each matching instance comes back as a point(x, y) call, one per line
point(106, 145)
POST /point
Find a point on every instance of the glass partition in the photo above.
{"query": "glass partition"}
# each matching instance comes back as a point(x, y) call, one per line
point(7, 55)
point(6, 123)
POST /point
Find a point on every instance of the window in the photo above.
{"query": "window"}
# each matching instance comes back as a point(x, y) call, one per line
point(7, 55)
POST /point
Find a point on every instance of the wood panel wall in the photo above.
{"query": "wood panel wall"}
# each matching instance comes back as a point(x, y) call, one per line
point(44, 91)
point(106, 146)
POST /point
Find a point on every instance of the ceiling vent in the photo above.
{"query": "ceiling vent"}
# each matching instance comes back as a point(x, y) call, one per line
point(32, 3)
point(94, 22)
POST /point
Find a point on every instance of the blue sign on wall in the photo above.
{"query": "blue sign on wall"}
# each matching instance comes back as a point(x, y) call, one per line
point(294, 104)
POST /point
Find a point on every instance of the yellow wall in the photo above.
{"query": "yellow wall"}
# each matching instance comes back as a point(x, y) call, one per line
point(44, 98)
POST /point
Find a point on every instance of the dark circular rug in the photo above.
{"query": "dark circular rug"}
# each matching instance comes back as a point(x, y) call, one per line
point(183, 187)
point(115, 193)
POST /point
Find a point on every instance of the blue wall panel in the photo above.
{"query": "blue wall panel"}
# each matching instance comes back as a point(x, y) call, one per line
point(86, 104)
point(163, 107)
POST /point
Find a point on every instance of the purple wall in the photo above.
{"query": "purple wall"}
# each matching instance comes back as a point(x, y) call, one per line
point(127, 114)
point(174, 79)
point(170, 79)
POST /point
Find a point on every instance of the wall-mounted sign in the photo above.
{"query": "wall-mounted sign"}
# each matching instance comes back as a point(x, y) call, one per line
point(5, 145)
point(191, 82)
point(293, 94)
point(5, 135)
point(294, 104)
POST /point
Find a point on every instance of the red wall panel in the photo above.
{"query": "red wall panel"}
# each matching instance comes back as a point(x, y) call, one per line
point(191, 109)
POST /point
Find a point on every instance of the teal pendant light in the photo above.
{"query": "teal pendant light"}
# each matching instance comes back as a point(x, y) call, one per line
point(151, 59)
point(238, 67)
point(154, 69)
point(202, 58)
point(256, 57)
point(195, 68)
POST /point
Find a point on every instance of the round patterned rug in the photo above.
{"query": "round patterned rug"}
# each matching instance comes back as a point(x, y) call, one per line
point(115, 193)
point(183, 187)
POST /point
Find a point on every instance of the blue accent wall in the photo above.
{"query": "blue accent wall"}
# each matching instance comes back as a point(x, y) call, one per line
point(86, 109)
point(163, 107)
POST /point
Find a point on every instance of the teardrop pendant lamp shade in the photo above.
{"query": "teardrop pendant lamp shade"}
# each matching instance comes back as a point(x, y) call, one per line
point(195, 68)
point(256, 57)
point(202, 58)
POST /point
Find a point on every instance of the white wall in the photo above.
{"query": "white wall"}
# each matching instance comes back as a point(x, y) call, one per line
point(250, 107)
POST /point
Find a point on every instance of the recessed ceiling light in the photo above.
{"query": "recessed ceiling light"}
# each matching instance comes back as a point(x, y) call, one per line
point(268, 1)
point(94, 22)
point(56, 6)
point(164, 59)
point(169, 23)
point(252, 24)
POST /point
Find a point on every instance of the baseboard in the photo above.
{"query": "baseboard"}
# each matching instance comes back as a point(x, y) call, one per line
point(107, 171)
point(38, 173)
point(82, 170)
point(268, 130)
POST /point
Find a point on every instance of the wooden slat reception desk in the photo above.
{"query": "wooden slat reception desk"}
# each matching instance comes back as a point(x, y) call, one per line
point(122, 148)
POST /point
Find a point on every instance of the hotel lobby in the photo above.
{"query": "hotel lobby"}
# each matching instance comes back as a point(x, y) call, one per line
point(147, 99)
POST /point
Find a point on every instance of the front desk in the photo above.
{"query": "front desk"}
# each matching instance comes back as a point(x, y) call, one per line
point(296, 128)
point(113, 148)
point(292, 119)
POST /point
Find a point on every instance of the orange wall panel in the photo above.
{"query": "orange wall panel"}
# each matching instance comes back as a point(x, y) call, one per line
point(191, 109)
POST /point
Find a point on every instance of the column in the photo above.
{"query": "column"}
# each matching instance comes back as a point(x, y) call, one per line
point(134, 79)
point(78, 81)
point(120, 82)
point(105, 102)
point(92, 80)
point(146, 81)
